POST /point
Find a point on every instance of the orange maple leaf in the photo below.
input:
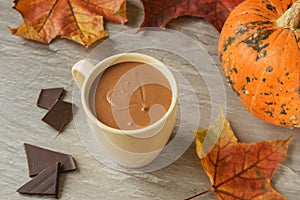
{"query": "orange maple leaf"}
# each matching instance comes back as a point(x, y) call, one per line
point(77, 20)
point(239, 170)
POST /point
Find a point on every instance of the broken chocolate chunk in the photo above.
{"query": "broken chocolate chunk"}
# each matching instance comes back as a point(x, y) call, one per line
point(48, 97)
point(59, 115)
point(46, 183)
point(38, 159)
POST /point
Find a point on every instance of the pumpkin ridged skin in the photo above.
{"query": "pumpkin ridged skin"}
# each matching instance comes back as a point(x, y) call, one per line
point(261, 61)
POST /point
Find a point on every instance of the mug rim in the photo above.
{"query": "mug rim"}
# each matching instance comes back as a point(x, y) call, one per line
point(170, 78)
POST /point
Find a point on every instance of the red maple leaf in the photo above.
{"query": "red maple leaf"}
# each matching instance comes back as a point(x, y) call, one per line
point(159, 12)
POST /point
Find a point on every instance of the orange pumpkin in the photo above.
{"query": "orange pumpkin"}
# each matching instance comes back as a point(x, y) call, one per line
point(259, 50)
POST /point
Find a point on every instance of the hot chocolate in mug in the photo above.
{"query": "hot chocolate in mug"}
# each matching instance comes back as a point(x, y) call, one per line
point(132, 148)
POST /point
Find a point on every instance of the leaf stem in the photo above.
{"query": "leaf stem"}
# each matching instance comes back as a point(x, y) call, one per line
point(202, 193)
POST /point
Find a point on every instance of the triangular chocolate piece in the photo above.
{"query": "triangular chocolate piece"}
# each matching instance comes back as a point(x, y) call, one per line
point(59, 115)
point(46, 183)
point(38, 159)
point(49, 96)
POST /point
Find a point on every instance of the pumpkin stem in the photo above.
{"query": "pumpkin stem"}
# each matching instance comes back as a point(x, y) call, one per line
point(291, 18)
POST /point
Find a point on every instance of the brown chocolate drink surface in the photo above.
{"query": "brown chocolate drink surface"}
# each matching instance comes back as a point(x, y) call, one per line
point(132, 95)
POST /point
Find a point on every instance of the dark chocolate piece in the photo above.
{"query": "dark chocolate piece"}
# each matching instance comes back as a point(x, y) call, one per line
point(38, 159)
point(46, 183)
point(48, 97)
point(59, 115)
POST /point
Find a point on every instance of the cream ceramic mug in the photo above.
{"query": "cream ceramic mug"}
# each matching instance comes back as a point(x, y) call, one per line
point(129, 148)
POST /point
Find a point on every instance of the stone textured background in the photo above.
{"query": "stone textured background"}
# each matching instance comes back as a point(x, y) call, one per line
point(27, 66)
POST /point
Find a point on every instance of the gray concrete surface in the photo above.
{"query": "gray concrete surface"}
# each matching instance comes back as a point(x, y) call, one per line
point(27, 66)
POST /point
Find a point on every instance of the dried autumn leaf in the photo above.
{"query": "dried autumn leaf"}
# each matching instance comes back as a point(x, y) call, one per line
point(239, 170)
point(77, 20)
point(159, 12)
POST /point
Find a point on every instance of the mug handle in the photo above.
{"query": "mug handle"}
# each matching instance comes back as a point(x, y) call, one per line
point(80, 71)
